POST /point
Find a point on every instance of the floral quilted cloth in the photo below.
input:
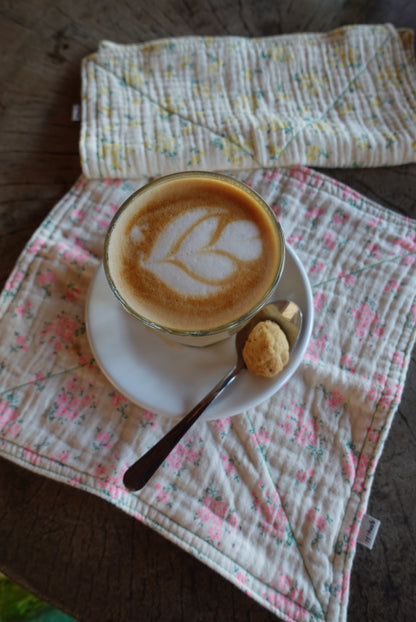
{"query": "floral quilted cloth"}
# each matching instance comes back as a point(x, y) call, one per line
point(273, 497)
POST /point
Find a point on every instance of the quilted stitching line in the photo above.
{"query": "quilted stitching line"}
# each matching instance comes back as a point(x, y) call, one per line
point(336, 99)
point(276, 488)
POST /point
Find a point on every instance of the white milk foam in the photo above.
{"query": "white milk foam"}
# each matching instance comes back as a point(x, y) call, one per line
point(194, 257)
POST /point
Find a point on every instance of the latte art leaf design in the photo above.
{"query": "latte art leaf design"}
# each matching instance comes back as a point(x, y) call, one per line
point(199, 251)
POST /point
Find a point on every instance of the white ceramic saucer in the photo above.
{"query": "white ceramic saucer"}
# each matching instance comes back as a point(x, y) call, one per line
point(170, 379)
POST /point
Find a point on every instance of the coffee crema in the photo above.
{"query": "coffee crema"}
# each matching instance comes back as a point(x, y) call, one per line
point(193, 253)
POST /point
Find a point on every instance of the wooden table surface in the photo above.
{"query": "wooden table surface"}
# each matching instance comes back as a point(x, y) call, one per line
point(71, 548)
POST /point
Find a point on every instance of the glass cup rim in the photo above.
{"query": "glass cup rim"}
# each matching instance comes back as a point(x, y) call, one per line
point(229, 326)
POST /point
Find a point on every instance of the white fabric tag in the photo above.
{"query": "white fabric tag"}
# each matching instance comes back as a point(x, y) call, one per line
point(76, 113)
point(368, 531)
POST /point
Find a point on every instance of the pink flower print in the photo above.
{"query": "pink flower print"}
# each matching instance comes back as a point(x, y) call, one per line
point(293, 239)
point(409, 260)
point(220, 424)
point(191, 455)
point(349, 466)
point(204, 514)
point(61, 412)
point(35, 246)
point(214, 533)
point(62, 398)
point(350, 195)
point(349, 279)
point(86, 400)
point(407, 244)
point(373, 435)
point(174, 459)
point(14, 429)
point(15, 279)
point(21, 342)
point(148, 419)
point(340, 218)
point(241, 578)
point(104, 438)
point(71, 385)
point(366, 319)
point(391, 286)
point(329, 241)
point(315, 348)
point(277, 209)
point(24, 310)
point(232, 520)
point(228, 465)
point(361, 472)
point(112, 182)
point(301, 476)
point(270, 175)
point(311, 515)
point(319, 301)
point(261, 438)
point(31, 456)
point(117, 399)
point(72, 292)
point(398, 359)
point(73, 252)
point(63, 456)
point(374, 222)
point(373, 250)
point(347, 363)
point(334, 400)
point(317, 266)
point(162, 495)
point(8, 414)
point(314, 212)
point(46, 278)
point(77, 215)
point(321, 523)
point(99, 471)
point(66, 329)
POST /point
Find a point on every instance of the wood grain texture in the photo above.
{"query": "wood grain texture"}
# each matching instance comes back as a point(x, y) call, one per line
point(71, 548)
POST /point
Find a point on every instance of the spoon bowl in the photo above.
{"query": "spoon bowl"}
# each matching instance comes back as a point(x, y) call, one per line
point(289, 317)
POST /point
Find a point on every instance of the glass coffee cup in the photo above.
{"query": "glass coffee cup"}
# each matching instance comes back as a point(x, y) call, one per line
point(194, 256)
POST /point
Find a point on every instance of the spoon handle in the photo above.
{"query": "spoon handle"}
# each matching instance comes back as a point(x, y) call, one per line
point(139, 473)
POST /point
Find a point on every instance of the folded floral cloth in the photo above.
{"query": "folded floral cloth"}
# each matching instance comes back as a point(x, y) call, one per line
point(345, 98)
point(273, 497)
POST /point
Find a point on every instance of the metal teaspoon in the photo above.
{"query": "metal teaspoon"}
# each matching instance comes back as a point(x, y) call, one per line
point(289, 317)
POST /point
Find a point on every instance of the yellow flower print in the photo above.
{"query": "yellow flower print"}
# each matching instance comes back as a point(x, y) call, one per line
point(114, 154)
point(215, 65)
point(311, 82)
point(344, 108)
point(280, 53)
point(187, 61)
point(274, 151)
point(314, 153)
point(390, 74)
point(246, 101)
point(348, 56)
point(187, 130)
point(231, 151)
point(362, 142)
point(325, 127)
point(162, 143)
point(196, 157)
point(271, 124)
point(205, 90)
point(390, 138)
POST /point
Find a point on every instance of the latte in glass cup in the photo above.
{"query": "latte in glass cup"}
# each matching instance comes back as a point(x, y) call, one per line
point(194, 256)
